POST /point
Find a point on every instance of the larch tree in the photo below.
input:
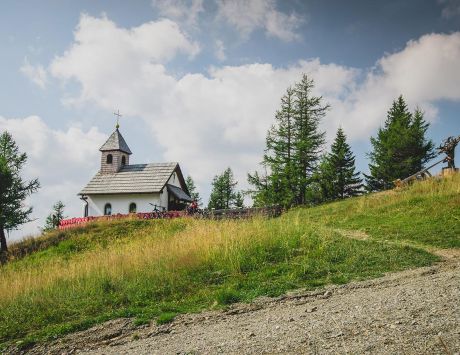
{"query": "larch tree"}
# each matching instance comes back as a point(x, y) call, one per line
point(309, 140)
point(400, 148)
point(279, 153)
point(293, 148)
point(13, 189)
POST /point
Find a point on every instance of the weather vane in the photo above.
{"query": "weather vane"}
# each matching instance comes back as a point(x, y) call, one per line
point(118, 114)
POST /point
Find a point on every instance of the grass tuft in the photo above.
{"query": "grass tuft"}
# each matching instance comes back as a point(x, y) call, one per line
point(165, 318)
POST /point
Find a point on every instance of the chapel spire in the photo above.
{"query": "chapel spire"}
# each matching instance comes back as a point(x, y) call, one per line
point(115, 153)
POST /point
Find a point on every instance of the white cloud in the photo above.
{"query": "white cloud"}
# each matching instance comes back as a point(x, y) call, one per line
point(424, 72)
point(220, 50)
point(184, 10)
point(218, 119)
point(104, 55)
point(36, 73)
point(249, 15)
point(62, 160)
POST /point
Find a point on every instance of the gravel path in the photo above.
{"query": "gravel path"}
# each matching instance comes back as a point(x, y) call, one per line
point(411, 312)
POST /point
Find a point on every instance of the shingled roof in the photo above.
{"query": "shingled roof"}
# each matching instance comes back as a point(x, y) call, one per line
point(116, 142)
point(138, 178)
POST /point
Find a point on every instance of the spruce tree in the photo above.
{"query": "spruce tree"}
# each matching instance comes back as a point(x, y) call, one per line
point(400, 148)
point(13, 189)
point(338, 175)
point(239, 200)
point(191, 187)
point(223, 192)
point(54, 219)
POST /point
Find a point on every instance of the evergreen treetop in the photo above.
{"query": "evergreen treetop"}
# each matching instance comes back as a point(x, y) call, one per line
point(191, 187)
point(338, 175)
point(54, 218)
point(223, 192)
point(293, 148)
point(14, 190)
point(400, 148)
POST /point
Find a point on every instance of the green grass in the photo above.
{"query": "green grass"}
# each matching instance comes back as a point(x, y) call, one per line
point(154, 270)
point(426, 214)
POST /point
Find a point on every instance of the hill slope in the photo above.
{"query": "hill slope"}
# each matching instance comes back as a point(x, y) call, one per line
point(156, 269)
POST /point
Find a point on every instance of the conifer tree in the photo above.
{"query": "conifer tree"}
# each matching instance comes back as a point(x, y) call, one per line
point(239, 200)
point(191, 187)
point(338, 176)
point(223, 191)
point(262, 192)
point(293, 148)
point(309, 111)
point(400, 148)
point(279, 185)
point(13, 189)
point(54, 219)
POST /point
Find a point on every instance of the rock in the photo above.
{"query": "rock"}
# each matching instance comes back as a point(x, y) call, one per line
point(336, 335)
point(311, 309)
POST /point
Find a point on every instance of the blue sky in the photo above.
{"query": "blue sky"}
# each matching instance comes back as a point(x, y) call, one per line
point(198, 81)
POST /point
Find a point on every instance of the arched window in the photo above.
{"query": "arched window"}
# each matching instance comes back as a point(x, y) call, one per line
point(123, 160)
point(107, 209)
point(132, 207)
point(109, 159)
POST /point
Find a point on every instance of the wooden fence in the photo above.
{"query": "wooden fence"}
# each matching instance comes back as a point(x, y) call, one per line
point(233, 213)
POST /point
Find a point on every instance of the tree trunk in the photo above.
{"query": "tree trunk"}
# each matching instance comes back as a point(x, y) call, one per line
point(3, 246)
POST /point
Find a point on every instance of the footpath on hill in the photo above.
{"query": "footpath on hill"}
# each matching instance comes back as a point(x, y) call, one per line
point(410, 312)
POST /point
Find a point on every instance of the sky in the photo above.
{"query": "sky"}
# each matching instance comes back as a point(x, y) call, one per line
point(199, 81)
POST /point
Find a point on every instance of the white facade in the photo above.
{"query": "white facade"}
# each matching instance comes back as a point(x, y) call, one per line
point(120, 202)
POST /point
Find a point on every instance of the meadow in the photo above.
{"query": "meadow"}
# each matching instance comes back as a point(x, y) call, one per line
point(154, 270)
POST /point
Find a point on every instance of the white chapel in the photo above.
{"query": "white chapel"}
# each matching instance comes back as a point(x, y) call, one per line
point(122, 188)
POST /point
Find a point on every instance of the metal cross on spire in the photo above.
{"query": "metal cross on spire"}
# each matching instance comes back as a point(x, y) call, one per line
point(118, 114)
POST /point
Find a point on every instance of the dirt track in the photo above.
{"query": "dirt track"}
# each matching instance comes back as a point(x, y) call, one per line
point(411, 312)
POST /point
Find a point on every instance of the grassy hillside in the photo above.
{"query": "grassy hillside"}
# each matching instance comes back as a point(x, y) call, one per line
point(156, 269)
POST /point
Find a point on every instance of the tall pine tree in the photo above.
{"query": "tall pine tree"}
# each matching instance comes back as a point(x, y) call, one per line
point(309, 111)
point(293, 148)
point(337, 172)
point(400, 148)
point(279, 152)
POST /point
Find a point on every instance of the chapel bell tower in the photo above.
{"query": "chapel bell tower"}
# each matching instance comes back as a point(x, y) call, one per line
point(115, 153)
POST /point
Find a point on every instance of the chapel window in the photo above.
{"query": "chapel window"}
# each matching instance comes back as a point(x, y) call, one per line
point(109, 159)
point(107, 209)
point(123, 160)
point(132, 208)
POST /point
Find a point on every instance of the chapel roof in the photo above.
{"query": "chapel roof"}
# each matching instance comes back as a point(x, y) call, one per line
point(137, 178)
point(115, 142)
